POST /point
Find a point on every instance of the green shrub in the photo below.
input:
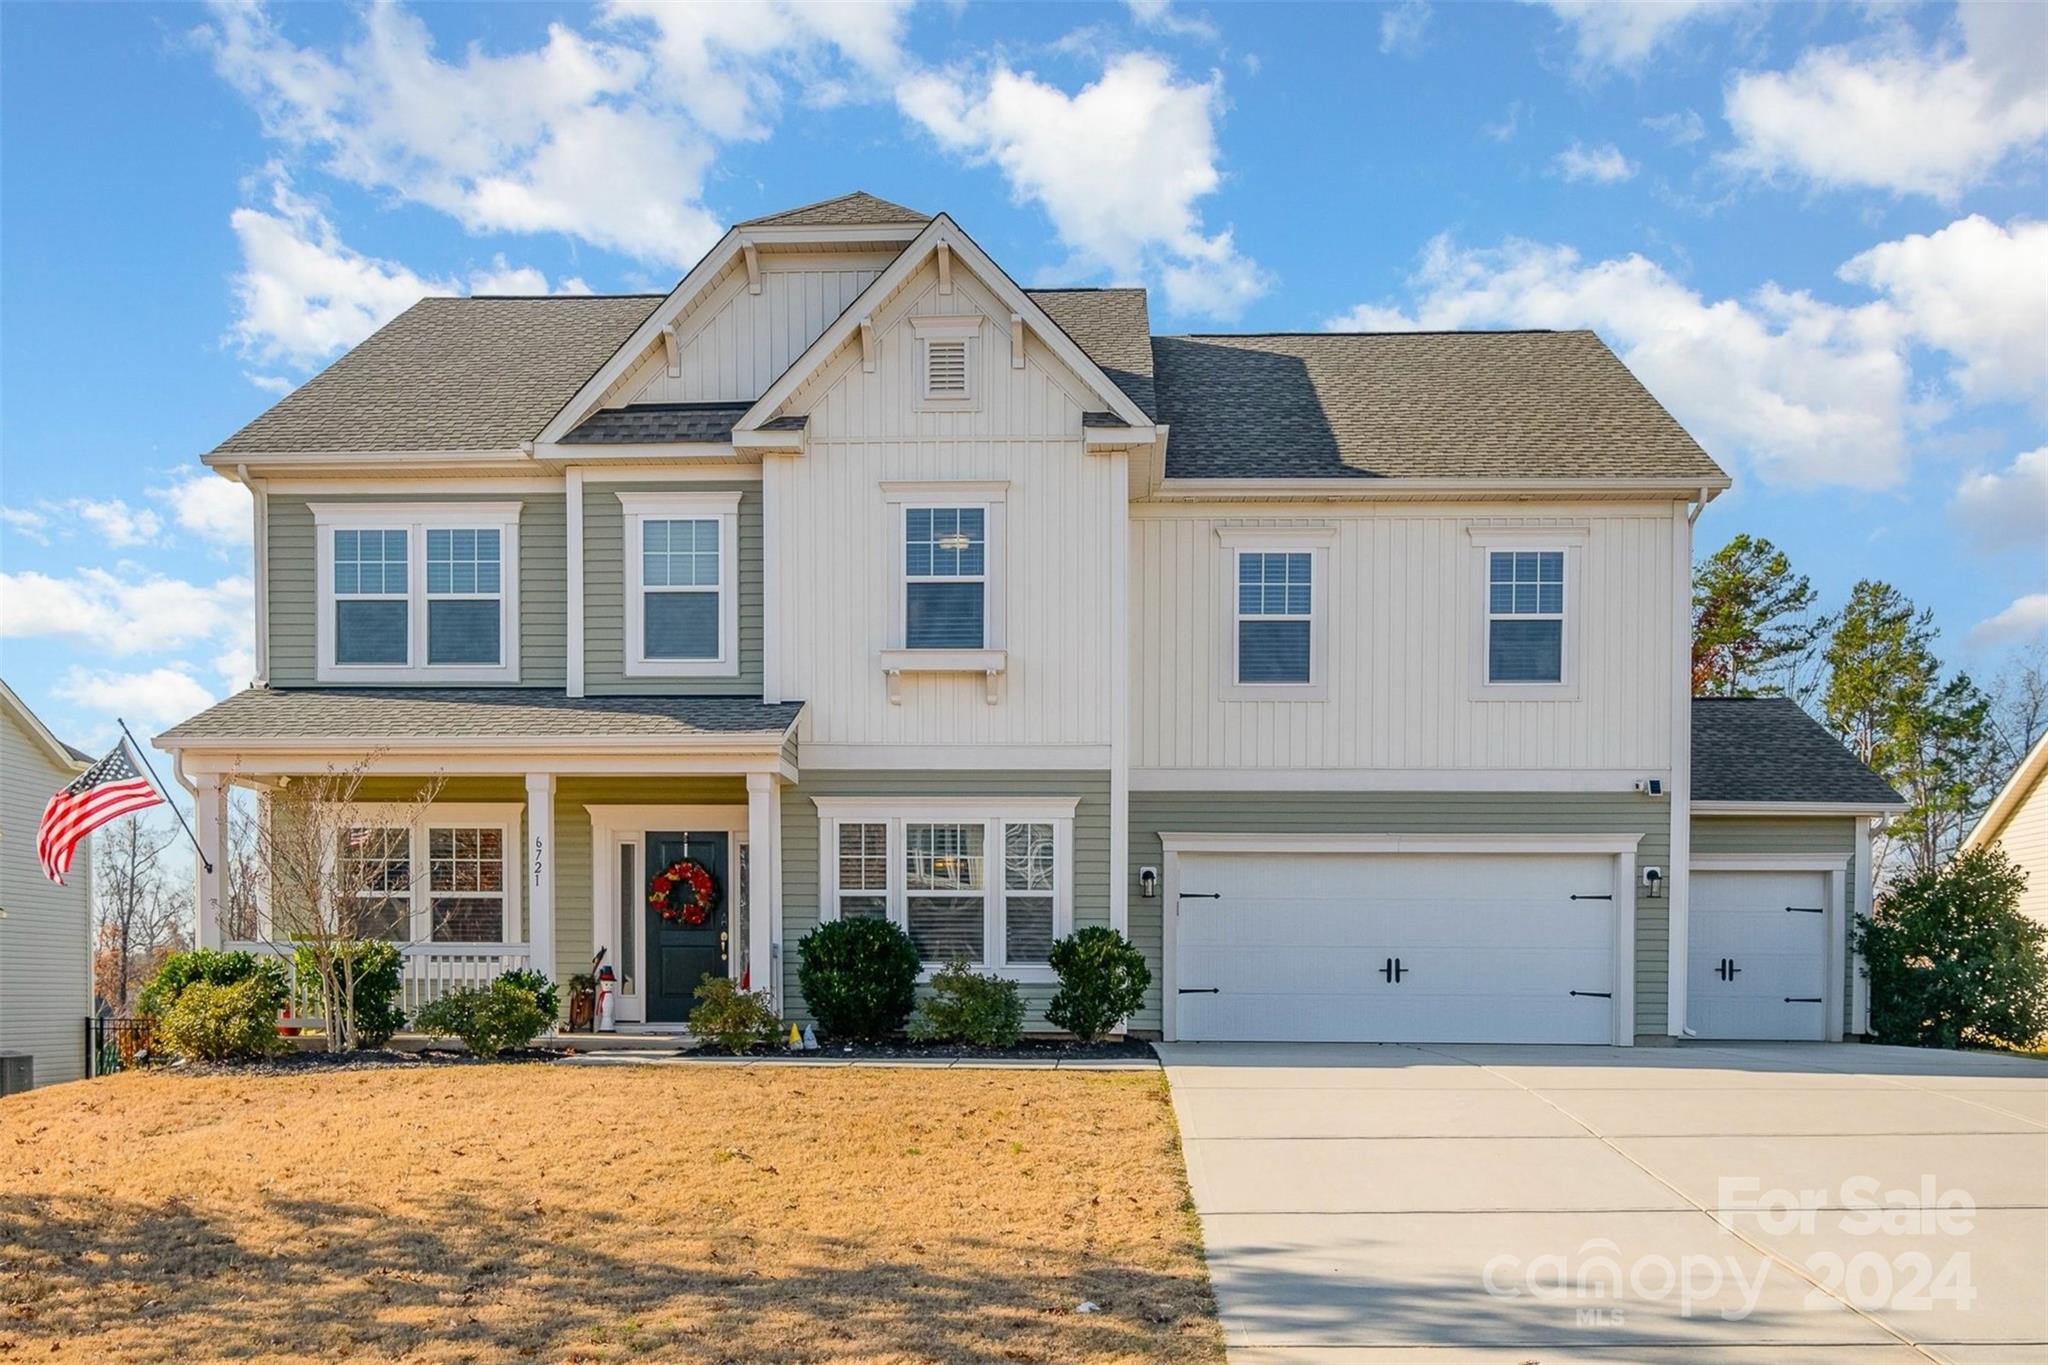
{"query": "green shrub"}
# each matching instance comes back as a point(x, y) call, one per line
point(1102, 982)
point(216, 968)
point(537, 985)
point(488, 1020)
point(375, 972)
point(966, 1007)
point(221, 1023)
point(1953, 961)
point(859, 977)
point(731, 1019)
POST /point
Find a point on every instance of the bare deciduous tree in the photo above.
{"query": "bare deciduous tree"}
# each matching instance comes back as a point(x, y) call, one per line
point(141, 911)
point(2019, 708)
point(334, 870)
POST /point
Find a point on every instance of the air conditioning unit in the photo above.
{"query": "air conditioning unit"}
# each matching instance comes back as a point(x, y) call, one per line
point(17, 1072)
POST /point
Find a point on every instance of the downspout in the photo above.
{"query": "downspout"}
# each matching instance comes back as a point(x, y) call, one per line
point(260, 557)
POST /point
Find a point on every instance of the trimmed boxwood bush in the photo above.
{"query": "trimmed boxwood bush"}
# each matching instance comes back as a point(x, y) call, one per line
point(216, 968)
point(730, 1019)
point(221, 1023)
point(489, 1020)
point(1102, 982)
point(967, 1007)
point(376, 982)
point(537, 985)
point(859, 977)
point(1953, 961)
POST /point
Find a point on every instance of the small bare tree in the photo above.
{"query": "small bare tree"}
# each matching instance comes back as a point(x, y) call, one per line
point(335, 870)
point(142, 912)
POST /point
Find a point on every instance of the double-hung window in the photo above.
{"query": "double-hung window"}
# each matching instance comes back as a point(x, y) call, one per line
point(466, 883)
point(1275, 615)
point(682, 596)
point(945, 577)
point(1525, 605)
point(374, 870)
point(417, 592)
point(445, 878)
point(989, 883)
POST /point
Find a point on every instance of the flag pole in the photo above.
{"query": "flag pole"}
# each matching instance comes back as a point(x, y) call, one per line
point(135, 747)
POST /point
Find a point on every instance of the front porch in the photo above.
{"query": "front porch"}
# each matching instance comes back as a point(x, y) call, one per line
point(521, 854)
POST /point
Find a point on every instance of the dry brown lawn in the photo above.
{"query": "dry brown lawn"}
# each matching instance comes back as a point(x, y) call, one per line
point(522, 1213)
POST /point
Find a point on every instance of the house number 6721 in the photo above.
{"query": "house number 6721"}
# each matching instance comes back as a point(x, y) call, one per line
point(539, 853)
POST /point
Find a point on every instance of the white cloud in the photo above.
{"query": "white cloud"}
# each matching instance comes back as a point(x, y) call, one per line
point(1161, 17)
point(1509, 125)
point(1603, 165)
point(1977, 291)
point(1118, 166)
point(211, 507)
point(505, 278)
point(27, 522)
point(2000, 508)
point(147, 699)
point(1896, 116)
point(130, 612)
point(114, 523)
point(1680, 129)
point(1624, 33)
point(2025, 619)
point(1810, 393)
point(1403, 27)
point(270, 383)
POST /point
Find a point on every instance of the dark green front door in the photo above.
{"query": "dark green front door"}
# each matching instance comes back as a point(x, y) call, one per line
point(679, 955)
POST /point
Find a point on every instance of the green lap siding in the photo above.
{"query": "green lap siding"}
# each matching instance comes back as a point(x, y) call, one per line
point(800, 853)
point(1804, 835)
point(294, 583)
point(1156, 813)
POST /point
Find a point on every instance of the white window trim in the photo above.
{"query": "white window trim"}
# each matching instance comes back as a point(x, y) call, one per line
point(639, 509)
point(951, 327)
point(415, 519)
point(1569, 541)
point(1238, 541)
point(992, 659)
point(992, 815)
point(504, 817)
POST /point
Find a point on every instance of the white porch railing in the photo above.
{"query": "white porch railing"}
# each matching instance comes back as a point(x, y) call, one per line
point(427, 971)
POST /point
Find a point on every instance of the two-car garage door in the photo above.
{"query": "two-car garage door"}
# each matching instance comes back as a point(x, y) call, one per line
point(1395, 947)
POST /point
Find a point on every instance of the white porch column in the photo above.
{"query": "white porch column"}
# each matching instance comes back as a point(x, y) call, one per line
point(540, 854)
point(209, 826)
point(764, 908)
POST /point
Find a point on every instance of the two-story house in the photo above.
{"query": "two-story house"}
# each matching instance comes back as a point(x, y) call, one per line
point(1346, 674)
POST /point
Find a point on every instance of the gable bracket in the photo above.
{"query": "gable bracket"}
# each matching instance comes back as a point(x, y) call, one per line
point(1016, 341)
point(673, 349)
point(945, 254)
point(753, 268)
point(867, 344)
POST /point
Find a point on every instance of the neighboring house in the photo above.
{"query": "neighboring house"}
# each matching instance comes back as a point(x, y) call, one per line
point(1347, 674)
point(2017, 821)
point(45, 929)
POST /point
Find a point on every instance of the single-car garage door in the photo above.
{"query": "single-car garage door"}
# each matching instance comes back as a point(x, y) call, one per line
point(1394, 947)
point(1759, 953)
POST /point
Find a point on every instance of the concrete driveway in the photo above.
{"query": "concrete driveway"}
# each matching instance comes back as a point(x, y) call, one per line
point(1709, 1203)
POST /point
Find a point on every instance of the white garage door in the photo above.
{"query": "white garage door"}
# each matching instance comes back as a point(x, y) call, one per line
point(1384, 947)
point(1758, 955)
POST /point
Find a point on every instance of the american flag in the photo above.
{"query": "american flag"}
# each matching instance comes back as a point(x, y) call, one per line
point(110, 789)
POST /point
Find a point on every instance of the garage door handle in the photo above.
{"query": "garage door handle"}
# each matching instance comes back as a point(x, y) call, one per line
point(1804, 910)
point(1200, 896)
point(1597, 995)
point(1802, 1000)
point(1200, 990)
point(1606, 897)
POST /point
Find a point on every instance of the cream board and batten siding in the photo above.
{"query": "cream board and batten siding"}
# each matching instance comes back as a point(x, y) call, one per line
point(801, 861)
point(45, 929)
point(838, 583)
point(734, 343)
point(1761, 837)
point(294, 583)
point(1311, 812)
point(2024, 838)
point(1406, 596)
point(604, 590)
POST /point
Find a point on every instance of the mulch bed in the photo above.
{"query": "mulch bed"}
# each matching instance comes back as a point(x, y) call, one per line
point(1030, 1050)
point(300, 1061)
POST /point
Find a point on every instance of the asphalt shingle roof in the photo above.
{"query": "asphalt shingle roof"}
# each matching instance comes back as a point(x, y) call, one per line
point(478, 712)
point(451, 374)
point(1414, 405)
point(1769, 749)
point(644, 423)
point(1114, 328)
point(859, 209)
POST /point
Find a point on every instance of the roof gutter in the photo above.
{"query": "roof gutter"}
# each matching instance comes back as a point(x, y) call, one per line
point(1369, 488)
point(757, 741)
point(1798, 808)
point(2009, 796)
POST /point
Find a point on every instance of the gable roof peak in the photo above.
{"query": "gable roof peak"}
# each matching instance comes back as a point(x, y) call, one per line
point(856, 209)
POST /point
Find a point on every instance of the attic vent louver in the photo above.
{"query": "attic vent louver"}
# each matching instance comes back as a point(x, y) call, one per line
point(945, 367)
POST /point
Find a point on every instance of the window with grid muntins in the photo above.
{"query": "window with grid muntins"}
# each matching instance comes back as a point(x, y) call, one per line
point(1275, 616)
point(375, 862)
point(945, 367)
point(679, 572)
point(945, 899)
point(945, 569)
point(464, 607)
point(371, 588)
point(1525, 616)
point(864, 871)
point(1030, 872)
point(466, 884)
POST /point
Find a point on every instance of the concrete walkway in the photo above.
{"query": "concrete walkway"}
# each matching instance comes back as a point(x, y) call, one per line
point(1710, 1203)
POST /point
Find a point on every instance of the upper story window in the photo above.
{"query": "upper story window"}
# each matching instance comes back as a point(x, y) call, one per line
point(1525, 605)
point(945, 577)
point(418, 592)
point(682, 598)
point(1275, 613)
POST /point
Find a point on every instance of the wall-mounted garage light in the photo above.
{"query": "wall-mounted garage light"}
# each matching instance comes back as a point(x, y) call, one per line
point(1148, 882)
point(1653, 880)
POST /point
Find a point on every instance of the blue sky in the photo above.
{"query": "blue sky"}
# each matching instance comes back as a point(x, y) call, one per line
point(1816, 232)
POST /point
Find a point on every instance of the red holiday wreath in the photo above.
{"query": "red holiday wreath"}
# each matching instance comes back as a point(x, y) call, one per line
point(699, 893)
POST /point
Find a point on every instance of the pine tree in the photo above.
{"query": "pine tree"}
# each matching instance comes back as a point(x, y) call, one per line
point(1753, 623)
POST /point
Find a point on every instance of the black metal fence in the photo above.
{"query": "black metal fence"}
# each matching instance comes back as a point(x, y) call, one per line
point(118, 1044)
